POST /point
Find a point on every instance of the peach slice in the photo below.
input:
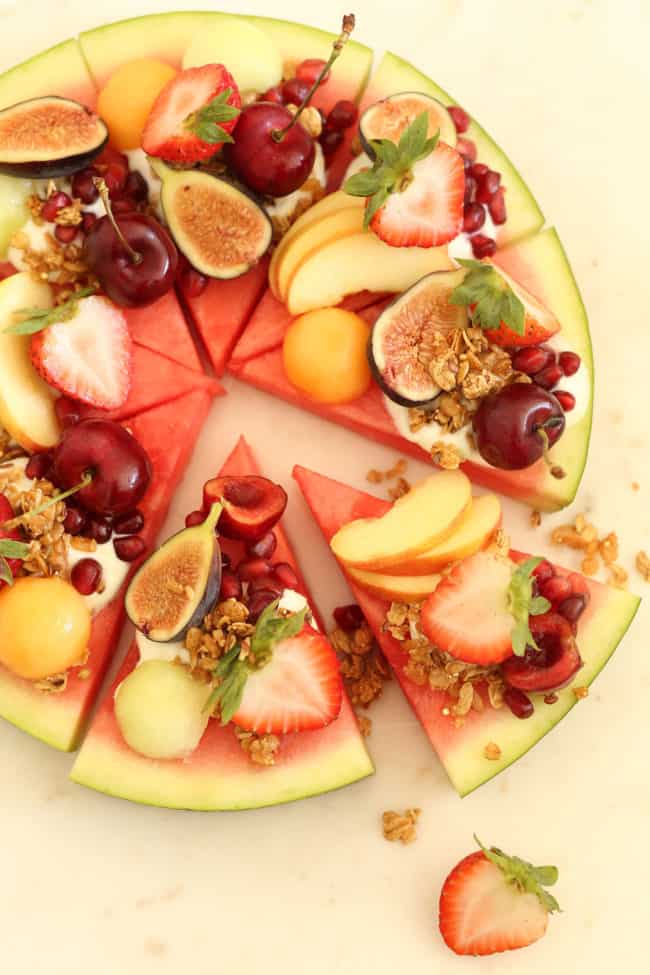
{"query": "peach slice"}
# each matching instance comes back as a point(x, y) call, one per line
point(341, 223)
point(403, 589)
point(425, 516)
point(471, 534)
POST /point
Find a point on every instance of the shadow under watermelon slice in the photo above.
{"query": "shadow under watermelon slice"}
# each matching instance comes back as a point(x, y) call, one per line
point(462, 749)
point(168, 434)
point(219, 775)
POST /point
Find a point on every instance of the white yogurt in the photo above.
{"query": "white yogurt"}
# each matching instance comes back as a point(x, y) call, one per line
point(283, 207)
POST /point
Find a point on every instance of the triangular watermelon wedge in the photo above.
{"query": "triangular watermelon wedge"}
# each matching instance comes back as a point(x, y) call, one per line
point(462, 750)
point(218, 775)
point(168, 434)
point(163, 328)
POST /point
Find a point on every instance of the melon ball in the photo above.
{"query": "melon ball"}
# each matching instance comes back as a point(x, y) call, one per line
point(247, 51)
point(325, 355)
point(127, 98)
point(160, 710)
point(44, 627)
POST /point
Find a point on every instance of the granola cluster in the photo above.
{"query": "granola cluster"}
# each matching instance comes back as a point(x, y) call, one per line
point(400, 826)
point(583, 536)
point(226, 625)
point(48, 542)
point(363, 666)
point(261, 749)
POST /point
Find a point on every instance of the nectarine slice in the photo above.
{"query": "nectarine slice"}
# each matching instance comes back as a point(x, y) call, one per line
point(403, 589)
point(471, 534)
point(341, 223)
point(425, 516)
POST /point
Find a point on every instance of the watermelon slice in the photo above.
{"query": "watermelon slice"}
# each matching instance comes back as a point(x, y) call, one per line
point(462, 750)
point(162, 327)
point(60, 70)
point(168, 434)
point(218, 775)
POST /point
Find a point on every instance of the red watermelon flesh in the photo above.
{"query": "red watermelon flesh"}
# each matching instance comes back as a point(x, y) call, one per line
point(162, 327)
point(168, 433)
point(218, 775)
point(223, 310)
point(462, 749)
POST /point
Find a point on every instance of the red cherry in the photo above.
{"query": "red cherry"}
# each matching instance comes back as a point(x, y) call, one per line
point(460, 118)
point(553, 665)
point(507, 425)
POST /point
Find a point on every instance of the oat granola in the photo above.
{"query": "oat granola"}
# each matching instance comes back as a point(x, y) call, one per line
point(226, 625)
point(400, 827)
point(261, 749)
point(363, 667)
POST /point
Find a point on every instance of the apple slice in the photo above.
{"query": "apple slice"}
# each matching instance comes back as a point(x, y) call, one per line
point(425, 516)
point(403, 589)
point(471, 534)
point(26, 401)
point(336, 225)
point(361, 262)
point(324, 208)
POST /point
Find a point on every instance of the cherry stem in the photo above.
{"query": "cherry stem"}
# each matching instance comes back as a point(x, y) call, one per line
point(347, 27)
point(102, 189)
point(19, 519)
point(555, 469)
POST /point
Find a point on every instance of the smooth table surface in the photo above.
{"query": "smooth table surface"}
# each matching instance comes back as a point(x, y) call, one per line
point(97, 886)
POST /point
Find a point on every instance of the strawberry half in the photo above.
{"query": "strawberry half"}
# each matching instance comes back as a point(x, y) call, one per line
point(193, 115)
point(468, 614)
point(88, 356)
point(300, 689)
point(491, 902)
point(539, 323)
point(429, 212)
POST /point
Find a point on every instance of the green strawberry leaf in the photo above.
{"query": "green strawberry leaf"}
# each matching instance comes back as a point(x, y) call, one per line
point(34, 320)
point(363, 184)
point(524, 876)
point(522, 605)
point(205, 122)
point(493, 299)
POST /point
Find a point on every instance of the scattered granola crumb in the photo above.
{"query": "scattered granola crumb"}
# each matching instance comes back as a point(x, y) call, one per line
point(590, 565)
point(535, 519)
point(597, 551)
point(365, 725)
point(397, 470)
point(492, 751)
point(400, 826)
point(261, 749)
point(399, 490)
point(618, 575)
point(374, 477)
point(446, 456)
point(636, 486)
point(643, 565)
point(581, 692)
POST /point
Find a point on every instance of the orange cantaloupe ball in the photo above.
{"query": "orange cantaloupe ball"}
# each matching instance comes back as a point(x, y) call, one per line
point(325, 355)
point(127, 98)
point(44, 627)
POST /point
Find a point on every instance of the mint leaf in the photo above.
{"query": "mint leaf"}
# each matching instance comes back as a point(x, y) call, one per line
point(34, 320)
point(271, 628)
point(205, 122)
point(524, 876)
point(6, 575)
point(232, 674)
point(493, 299)
point(11, 549)
point(522, 605)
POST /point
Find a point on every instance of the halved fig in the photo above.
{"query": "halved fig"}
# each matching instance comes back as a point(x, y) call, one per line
point(220, 229)
point(401, 344)
point(49, 137)
point(388, 118)
point(177, 585)
point(251, 505)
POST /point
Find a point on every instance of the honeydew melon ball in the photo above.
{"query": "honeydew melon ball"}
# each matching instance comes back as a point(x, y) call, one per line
point(159, 708)
point(248, 53)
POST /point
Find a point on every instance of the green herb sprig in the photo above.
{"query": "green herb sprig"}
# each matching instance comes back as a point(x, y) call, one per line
point(33, 320)
point(522, 605)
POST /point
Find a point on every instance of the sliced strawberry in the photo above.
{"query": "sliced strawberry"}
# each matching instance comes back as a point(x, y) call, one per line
point(491, 902)
point(429, 212)
point(87, 357)
point(15, 534)
point(185, 123)
point(539, 324)
point(300, 689)
point(467, 615)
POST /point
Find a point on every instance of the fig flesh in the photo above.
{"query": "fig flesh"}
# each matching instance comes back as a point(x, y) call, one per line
point(48, 138)
point(388, 118)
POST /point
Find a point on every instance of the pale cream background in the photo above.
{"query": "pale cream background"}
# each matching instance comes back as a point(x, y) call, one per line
point(99, 886)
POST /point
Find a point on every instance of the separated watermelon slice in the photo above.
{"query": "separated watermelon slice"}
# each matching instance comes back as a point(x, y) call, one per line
point(168, 434)
point(218, 775)
point(462, 750)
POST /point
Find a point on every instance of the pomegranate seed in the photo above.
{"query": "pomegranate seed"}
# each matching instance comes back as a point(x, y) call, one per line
point(579, 585)
point(487, 186)
point(38, 466)
point(194, 283)
point(242, 493)
point(348, 617)
point(473, 218)
point(549, 377)
point(285, 575)
point(123, 204)
point(330, 141)
point(100, 529)
point(265, 547)
point(116, 174)
point(83, 187)
point(88, 221)
point(479, 170)
point(130, 523)
point(483, 246)
point(136, 186)
point(130, 548)
point(470, 189)
point(195, 518)
point(497, 207)
point(343, 115)
point(543, 571)
point(273, 95)
point(267, 583)
point(572, 608)
point(569, 363)
point(253, 569)
point(566, 399)
point(460, 118)
point(75, 520)
point(310, 69)
point(555, 589)
point(532, 359)
point(86, 576)
point(467, 149)
point(518, 702)
point(550, 698)
point(68, 412)
point(53, 204)
point(230, 586)
point(65, 235)
point(295, 91)
point(259, 601)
